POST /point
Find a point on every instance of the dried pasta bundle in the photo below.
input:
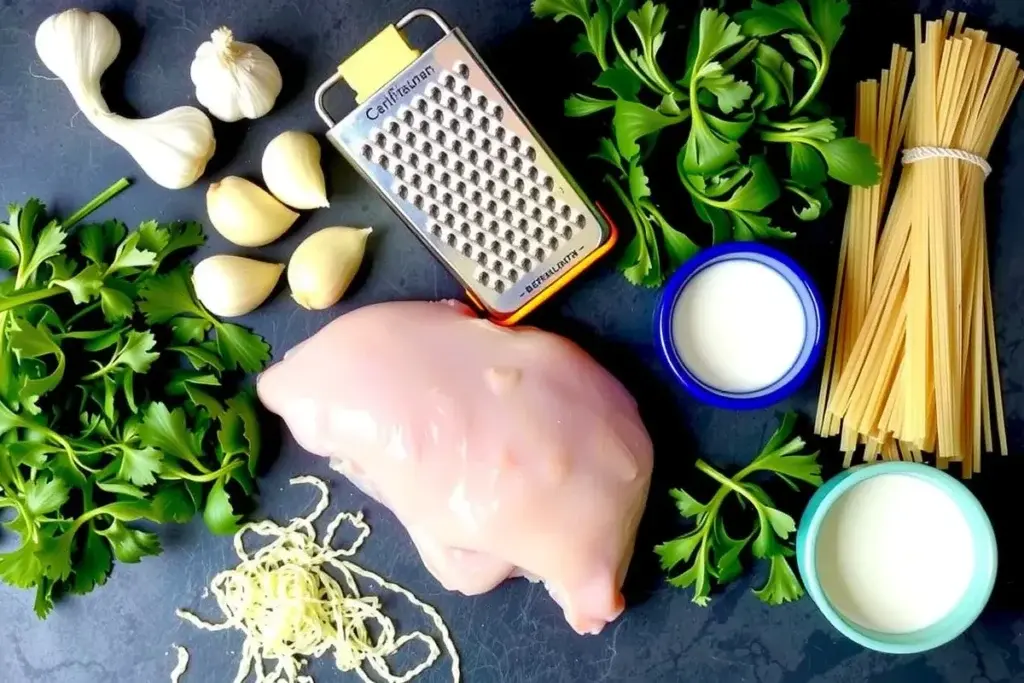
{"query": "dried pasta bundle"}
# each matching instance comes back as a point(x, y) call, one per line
point(921, 374)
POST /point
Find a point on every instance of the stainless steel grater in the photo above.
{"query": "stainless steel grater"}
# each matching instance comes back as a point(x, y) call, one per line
point(458, 162)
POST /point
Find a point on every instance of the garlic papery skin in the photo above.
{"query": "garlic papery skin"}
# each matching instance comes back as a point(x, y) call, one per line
point(172, 148)
point(246, 214)
point(78, 46)
point(292, 172)
point(230, 286)
point(324, 265)
point(234, 80)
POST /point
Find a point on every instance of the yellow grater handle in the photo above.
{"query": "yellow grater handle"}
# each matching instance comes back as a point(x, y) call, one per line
point(376, 62)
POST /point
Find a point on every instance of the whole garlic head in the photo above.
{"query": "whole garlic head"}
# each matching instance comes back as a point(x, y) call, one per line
point(234, 80)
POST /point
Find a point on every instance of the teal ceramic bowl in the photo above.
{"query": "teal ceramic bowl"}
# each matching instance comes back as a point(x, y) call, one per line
point(953, 624)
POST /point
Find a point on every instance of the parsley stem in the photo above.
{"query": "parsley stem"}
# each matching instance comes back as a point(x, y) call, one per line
point(203, 478)
point(727, 482)
point(96, 202)
point(9, 302)
point(819, 80)
point(628, 61)
point(81, 314)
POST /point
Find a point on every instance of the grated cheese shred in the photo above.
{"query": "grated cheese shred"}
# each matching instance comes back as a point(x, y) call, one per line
point(291, 609)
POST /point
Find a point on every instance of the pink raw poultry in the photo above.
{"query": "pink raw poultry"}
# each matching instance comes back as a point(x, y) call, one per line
point(503, 452)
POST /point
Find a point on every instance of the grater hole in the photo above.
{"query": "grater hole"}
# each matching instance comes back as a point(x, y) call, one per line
point(435, 93)
point(509, 235)
point(537, 214)
point(471, 135)
point(507, 216)
point(410, 138)
point(467, 114)
point(457, 146)
point(432, 192)
point(368, 152)
point(443, 157)
point(416, 180)
point(451, 239)
point(449, 220)
point(462, 69)
point(427, 148)
point(498, 112)
point(539, 253)
point(549, 184)
point(459, 167)
point(566, 212)
point(477, 197)
point(400, 171)
point(481, 101)
point(567, 232)
point(499, 133)
point(463, 209)
point(538, 234)
point(498, 267)
point(552, 222)
point(435, 229)
point(531, 153)
point(417, 201)
point(481, 258)
point(506, 196)
point(430, 169)
point(480, 238)
point(447, 199)
point(384, 162)
point(527, 264)
point(396, 149)
point(503, 175)
point(521, 205)
point(490, 186)
point(512, 274)
point(483, 277)
point(461, 188)
point(438, 116)
point(515, 143)
point(421, 105)
point(424, 127)
point(581, 221)
point(478, 218)
point(520, 185)
point(449, 82)
point(484, 123)
point(553, 242)
point(524, 244)
point(510, 256)
point(435, 210)
point(465, 229)
point(549, 202)
point(533, 173)
point(440, 136)
point(496, 250)
point(486, 145)
point(535, 194)
point(403, 191)
point(408, 117)
point(492, 207)
point(502, 155)
point(473, 156)
point(414, 160)
point(394, 128)
point(492, 227)
point(467, 93)
point(474, 177)
point(499, 286)
point(381, 140)
point(454, 126)
point(446, 178)
point(467, 249)
point(453, 104)
point(489, 166)
point(517, 164)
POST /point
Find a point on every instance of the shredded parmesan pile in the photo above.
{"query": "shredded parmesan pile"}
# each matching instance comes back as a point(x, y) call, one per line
point(290, 608)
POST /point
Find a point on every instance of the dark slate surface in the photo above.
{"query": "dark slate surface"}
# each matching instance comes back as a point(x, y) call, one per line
point(515, 634)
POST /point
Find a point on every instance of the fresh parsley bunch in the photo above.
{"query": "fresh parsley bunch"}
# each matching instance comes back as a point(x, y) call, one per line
point(116, 398)
point(748, 126)
point(717, 556)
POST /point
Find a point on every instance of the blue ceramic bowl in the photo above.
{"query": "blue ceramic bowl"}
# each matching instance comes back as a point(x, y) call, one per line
point(953, 624)
point(810, 300)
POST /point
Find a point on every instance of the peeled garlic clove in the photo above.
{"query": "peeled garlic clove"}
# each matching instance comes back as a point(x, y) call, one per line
point(246, 214)
point(232, 285)
point(234, 80)
point(323, 266)
point(291, 170)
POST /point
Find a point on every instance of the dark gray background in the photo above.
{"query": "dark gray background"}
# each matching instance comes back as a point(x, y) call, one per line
point(123, 632)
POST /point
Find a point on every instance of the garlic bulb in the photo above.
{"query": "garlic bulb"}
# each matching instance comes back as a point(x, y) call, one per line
point(230, 286)
point(234, 80)
point(172, 148)
point(246, 214)
point(324, 265)
point(291, 170)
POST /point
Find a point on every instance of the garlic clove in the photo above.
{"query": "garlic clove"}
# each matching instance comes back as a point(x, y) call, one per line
point(234, 80)
point(292, 172)
point(324, 265)
point(246, 214)
point(172, 148)
point(78, 46)
point(230, 286)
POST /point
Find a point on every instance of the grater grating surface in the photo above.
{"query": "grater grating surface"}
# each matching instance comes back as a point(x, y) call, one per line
point(458, 162)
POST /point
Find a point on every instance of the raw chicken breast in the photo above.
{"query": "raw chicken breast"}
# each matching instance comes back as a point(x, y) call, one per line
point(504, 452)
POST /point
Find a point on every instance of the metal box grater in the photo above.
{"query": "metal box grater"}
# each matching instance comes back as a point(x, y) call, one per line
point(458, 162)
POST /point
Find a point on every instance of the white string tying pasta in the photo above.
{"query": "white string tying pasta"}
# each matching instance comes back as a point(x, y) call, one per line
point(916, 154)
point(290, 608)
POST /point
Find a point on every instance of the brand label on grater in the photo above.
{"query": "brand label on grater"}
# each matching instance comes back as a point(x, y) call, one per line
point(396, 93)
point(546, 275)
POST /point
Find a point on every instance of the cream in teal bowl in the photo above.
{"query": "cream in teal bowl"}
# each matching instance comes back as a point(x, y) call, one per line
point(899, 557)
